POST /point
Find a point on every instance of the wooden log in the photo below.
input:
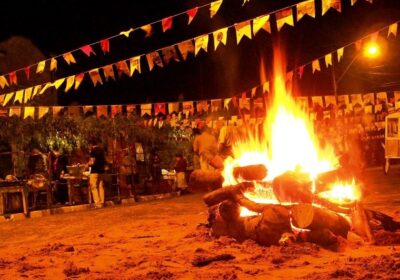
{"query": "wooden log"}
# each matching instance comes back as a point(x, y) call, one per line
point(360, 223)
point(379, 220)
point(323, 237)
point(326, 179)
point(293, 187)
point(343, 208)
point(203, 261)
point(250, 172)
point(226, 193)
point(205, 180)
point(306, 216)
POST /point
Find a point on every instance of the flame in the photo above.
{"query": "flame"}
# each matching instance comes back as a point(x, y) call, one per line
point(342, 193)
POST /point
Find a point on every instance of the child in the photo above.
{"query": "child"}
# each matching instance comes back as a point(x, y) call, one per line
point(180, 169)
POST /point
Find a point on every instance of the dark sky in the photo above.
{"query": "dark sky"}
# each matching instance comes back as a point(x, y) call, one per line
point(60, 26)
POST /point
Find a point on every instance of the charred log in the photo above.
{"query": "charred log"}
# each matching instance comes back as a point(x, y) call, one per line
point(205, 180)
point(360, 223)
point(250, 172)
point(378, 220)
point(227, 193)
point(293, 187)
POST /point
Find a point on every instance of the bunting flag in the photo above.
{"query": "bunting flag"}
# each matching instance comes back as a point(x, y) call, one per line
point(126, 33)
point(317, 102)
point(226, 103)
point(315, 66)
point(340, 54)
point(300, 71)
point(27, 94)
point(202, 106)
point(3, 82)
point(244, 103)
point(46, 87)
point(393, 29)
point(166, 23)
point(243, 29)
point(74, 111)
point(87, 109)
point(191, 14)
point(36, 90)
point(130, 110)
point(185, 48)
point(42, 112)
point(145, 109)
point(200, 42)
point(220, 36)
point(369, 99)
point(116, 110)
point(353, 2)
point(40, 67)
point(381, 98)
point(330, 102)
point(69, 58)
point(57, 110)
point(122, 68)
point(160, 108)
point(169, 53)
point(266, 87)
point(27, 71)
point(253, 92)
point(70, 82)
point(7, 98)
point(214, 7)
point(188, 108)
point(258, 106)
point(15, 111)
point(108, 71)
point(102, 111)
point(216, 105)
point(148, 29)
point(19, 96)
point(261, 23)
point(328, 60)
point(13, 78)
point(88, 50)
point(78, 80)
point(105, 46)
point(284, 16)
point(154, 59)
point(327, 4)
point(173, 107)
point(29, 112)
point(3, 111)
point(95, 77)
point(53, 64)
point(305, 8)
point(134, 63)
point(58, 83)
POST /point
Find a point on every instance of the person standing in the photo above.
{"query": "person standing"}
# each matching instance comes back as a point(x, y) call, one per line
point(206, 146)
point(97, 163)
point(180, 169)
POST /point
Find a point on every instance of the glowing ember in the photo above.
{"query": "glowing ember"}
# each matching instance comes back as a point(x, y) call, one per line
point(342, 193)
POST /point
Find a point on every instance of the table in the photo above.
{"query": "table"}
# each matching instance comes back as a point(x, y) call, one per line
point(70, 184)
point(11, 188)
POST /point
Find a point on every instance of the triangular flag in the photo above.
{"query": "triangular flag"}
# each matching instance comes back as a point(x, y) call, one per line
point(166, 23)
point(253, 92)
point(69, 58)
point(16, 111)
point(305, 8)
point(53, 64)
point(214, 7)
point(122, 68)
point(27, 71)
point(102, 111)
point(185, 48)
point(134, 63)
point(108, 71)
point(57, 110)
point(191, 14)
point(46, 86)
point(243, 29)
point(328, 60)
point(169, 53)
point(105, 46)
point(87, 109)
point(301, 71)
point(13, 78)
point(95, 77)
point(284, 16)
point(315, 66)
point(220, 37)
point(216, 105)
point(327, 4)
point(226, 103)
point(126, 33)
point(88, 50)
point(148, 29)
point(200, 42)
point(29, 112)
point(201, 106)
point(3, 82)
point(28, 94)
point(154, 59)
point(266, 87)
point(58, 83)
point(78, 80)
point(187, 107)
point(1, 102)
point(70, 83)
point(40, 67)
point(353, 2)
point(261, 23)
point(160, 108)
point(116, 110)
point(19, 96)
point(340, 54)
point(36, 90)
point(7, 98)
point(42, 111)
point(392, 29)
point(173, 107)
point(130, 110)
point(145, 109)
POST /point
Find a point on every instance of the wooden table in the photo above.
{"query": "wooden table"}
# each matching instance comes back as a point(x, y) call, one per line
point(18, 187)
point(70, 179)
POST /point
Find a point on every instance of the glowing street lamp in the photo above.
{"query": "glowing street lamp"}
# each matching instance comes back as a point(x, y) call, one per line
point(372, 50)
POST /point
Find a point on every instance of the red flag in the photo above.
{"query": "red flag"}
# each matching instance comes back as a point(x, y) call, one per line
point(191, 14)
point(244, 95)
point(88, 50)
point(105, 46)
point(166, 23)
point(27, 71)
point(301, 70)
point(235, 101)
point(13, 78)
point(159, 108)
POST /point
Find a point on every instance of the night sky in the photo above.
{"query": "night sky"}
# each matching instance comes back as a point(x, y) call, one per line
point(56, 27)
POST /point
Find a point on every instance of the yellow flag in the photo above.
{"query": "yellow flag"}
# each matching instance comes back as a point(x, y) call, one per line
point(134, 63)
point(19, 96)
point(95, 77)
point(108, 71)
point(353, 2)
point(328, 60)
point(148, 29)
point(69, 58)
point(393, 29)
point(7, 98)
point(282, 17)
point(340, 54)
point(266, 87)
point(57, 110)
point(42, 111)
point(220, 37)
point(58, 83)
point(3, 82)
point(145, 109)
point(327, 4)
point(46, 86)
point(87, 109)
point(16, 111)
point(315, 66)
point(53, 64)
point(214, 7)
point(40, 67)
point(261, 22)
point(29, 112)
point(243, 29)
point(305, 8)
point(36, 90)
point(70, 82)
point(27, 94)
point(126, 33)
point(200, 42)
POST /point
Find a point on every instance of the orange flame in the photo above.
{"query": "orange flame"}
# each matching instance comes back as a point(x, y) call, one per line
point(342, 193)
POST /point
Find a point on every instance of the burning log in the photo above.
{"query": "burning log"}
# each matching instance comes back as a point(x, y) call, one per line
point(306, 216)
point(224, 219)
point(205, 180)
point(378, 220)
point(360, 223)
point(326, 179)
point(227, 193)
point(251, 172)
point(293, 187)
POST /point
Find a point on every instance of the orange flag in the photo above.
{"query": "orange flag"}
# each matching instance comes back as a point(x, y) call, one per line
point(327, 4)
point(102, 111)
point(3, 82)
point(185, 48)
point(13, 78)
point(261, 23)
point(284, 17)
point(220, 36)
point(53, 64)
point(43, 111)
point(154, 59)
point(122, 68)
point(108, 71)
point(70, 83)
point(134, 63)
point(315, 66)
point(148, 29)
point(78, 80)
point(169, 53)
point(392, 29)
point(95, 77)
point(16, 111)
point(305, 8)
point(69, 58)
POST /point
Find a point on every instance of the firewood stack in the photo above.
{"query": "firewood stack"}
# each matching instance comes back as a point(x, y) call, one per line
point(300, 215)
